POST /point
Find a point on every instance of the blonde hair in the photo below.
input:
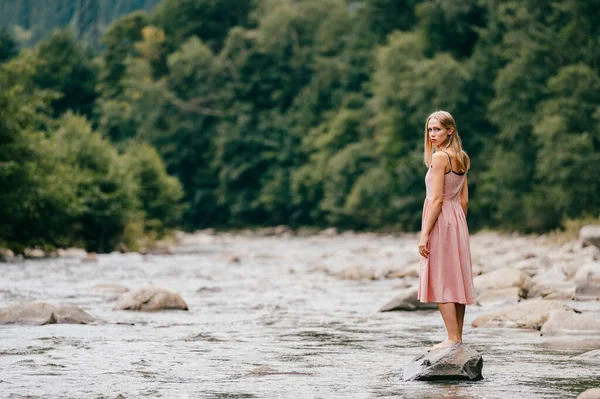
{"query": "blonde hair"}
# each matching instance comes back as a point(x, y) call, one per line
point(453, 142)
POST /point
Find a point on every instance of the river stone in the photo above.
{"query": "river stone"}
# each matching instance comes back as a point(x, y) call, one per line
point(38, 314)
point(407, 300)
point(587, 280)
point(526, 314)
point(502, 278)
point(500, 295)
point(408, 271)
point(6, 254)
point(591, 356)
point(560, 321)
point(358, 273)
point(593, 393)
point(590, 234)
point(151, 298)
point(109, 289)
point(457, 362)
point(74, 253)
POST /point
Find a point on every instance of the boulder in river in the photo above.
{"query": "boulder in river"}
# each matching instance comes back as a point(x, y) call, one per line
point(507, 295)
point(358, 273)
point(150, 298)
point(456, 362)
point(590, 235)
point(6, 254)
point(587, 280)
point(407, 300)
point(38, 314)
point(593, 393)
point(591, 356)
point(108, 289)
point(560, 321)
point(526, 314)
point(502, 278)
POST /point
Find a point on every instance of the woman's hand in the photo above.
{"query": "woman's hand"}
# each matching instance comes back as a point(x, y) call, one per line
point(423, 245)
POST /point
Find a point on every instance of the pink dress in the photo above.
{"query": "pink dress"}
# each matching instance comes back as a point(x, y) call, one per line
point(446, 275)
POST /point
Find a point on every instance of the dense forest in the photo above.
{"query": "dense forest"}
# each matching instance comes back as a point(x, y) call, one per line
point(32, 20)
point(305, 113)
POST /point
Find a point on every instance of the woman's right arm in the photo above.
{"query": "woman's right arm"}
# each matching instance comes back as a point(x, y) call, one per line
point(464, 196)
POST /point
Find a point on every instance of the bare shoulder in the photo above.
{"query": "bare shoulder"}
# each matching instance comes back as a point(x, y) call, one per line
point(438, 157)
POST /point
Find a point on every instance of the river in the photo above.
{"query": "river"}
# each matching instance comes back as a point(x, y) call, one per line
point(269, 324)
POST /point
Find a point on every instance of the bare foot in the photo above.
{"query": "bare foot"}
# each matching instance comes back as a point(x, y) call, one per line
point(441, 345)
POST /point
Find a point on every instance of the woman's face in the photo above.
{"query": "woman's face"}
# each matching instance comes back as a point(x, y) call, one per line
point(437, 132)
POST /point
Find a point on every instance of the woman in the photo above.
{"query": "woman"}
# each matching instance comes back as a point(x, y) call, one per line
point(446, 277)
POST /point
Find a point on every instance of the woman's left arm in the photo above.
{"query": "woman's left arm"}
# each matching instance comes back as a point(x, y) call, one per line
point(438, 166)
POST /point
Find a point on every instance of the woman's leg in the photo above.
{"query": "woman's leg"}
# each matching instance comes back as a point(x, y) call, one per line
point(449, 314)
point(460, 318)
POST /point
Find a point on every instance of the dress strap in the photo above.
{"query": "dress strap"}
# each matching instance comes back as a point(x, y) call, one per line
point(449, 160)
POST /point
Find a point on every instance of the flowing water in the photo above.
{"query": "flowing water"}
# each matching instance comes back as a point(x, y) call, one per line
point(273, 325)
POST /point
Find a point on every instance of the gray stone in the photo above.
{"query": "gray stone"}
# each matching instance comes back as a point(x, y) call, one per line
point(109, 289)
point(591, 356)
point(587, 280)
point(593, 393)
point(560, 321)
point(526, 314)
point(407, 300)
point(149, 298)
point(502, 278)
point(500, 295)
point(457, 362)
point(6, 254)
point(590, 235)
point(38, 314)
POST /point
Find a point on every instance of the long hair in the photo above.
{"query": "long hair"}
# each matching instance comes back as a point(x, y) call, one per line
point(453, 142)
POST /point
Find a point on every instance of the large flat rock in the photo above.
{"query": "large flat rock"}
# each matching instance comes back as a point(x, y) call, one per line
point(407, 300)
point(38, 314)
point(457, 362)
point(150, 298)
point(560, 321)
point(530, 314)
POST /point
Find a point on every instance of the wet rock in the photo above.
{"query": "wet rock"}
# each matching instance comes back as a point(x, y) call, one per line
point(72, 315)
point(560, 321)
point(552, 284)
point(407, 301)
point(587, 280)
point(122, 248)
point(409, 271)
point(502, 278)
point(157, 250)
point(593, 393)
point(34, 253)
point(591, 356)
point(150, 298)
point(500, 296)
point(358, 273)
point(457, 362)
point(530, 314)
point(329, 232)
point(92, 257)
point(6, 255)
point(109, 289)
point(590, 235)
point(38, 314)
point(72, 253)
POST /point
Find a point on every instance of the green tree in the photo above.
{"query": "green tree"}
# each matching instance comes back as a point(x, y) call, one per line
point(8, 45)
point(65, 67)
